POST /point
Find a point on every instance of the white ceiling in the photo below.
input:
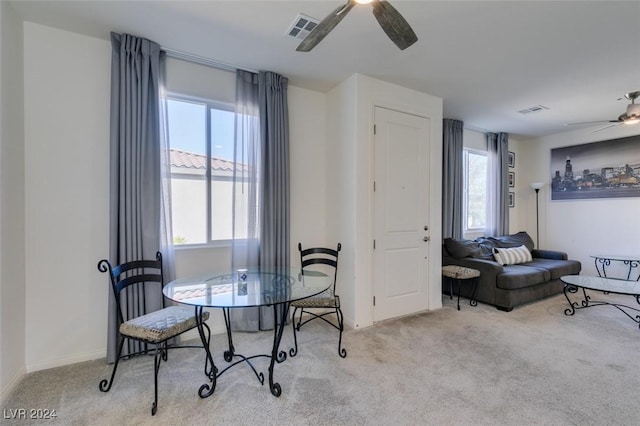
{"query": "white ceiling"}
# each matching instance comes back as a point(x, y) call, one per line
point(486, 60)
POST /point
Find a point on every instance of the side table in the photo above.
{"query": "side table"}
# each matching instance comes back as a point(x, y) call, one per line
point(460, 273)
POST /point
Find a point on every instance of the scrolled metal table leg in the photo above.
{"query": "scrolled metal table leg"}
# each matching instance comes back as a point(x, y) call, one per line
point(206, 390)
point(276, 356)
point(572, 305)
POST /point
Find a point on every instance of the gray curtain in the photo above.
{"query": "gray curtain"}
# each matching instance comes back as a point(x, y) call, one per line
point(261, 183)
point(135, 159)
point(498, 185)
point(274, 136)
point(452, 178)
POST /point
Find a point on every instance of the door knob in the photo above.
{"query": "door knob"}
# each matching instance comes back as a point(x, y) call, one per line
point(427, 238)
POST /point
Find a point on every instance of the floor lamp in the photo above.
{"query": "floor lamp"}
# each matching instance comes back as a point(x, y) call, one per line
point(536, 186)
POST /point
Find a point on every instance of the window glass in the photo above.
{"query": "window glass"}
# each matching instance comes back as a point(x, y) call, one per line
point(475, 190)
point(201, 207)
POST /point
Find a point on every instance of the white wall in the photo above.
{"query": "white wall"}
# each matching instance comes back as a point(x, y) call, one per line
point(12, 273)
point(350, 142)
point(340, 210)
point(67, 89)
point(579, 227)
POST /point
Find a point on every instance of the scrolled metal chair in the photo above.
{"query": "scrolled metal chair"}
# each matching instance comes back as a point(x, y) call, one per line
point(327, 301)
point(130, 282)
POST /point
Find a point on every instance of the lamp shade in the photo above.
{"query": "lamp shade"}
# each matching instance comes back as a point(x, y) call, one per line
point(536, 185)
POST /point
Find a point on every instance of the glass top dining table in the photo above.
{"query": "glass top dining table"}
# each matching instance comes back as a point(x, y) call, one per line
point(245, 289)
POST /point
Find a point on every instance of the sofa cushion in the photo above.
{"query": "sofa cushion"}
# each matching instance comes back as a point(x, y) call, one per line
point(521, 276)
point(512, 256)
point(513, 240)
point(557, 268)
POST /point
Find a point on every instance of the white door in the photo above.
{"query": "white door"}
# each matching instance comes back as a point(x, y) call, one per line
point(401, 219)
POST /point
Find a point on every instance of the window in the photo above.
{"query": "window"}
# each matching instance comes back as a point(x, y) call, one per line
point(201, 140)
point(475, 190)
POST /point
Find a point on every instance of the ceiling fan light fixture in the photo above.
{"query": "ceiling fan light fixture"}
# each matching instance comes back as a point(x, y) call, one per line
point(632, 120)
point(363, 1)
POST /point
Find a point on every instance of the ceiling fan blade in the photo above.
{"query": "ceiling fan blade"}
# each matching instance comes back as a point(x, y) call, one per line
point(396, 27)
point(592, 122)
point(605, 127)
point(325, 27)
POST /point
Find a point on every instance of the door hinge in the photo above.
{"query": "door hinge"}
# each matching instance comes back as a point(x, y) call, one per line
point(374, 301)
point(374, 186)
point(374, 244)
point(374, 129)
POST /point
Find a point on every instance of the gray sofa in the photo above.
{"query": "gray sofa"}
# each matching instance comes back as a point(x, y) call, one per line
point(510, 285)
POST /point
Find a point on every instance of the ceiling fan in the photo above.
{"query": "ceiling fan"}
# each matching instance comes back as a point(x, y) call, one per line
point(396, 27)
point(630, 116)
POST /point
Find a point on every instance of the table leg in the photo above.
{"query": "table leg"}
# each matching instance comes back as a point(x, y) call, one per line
point(210, 369)
point(228, 354)
point(568, 288)
point(280, 314)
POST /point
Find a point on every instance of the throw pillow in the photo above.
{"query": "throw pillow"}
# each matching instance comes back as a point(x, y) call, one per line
point(513, 240)
point(461, 248)
point(512, 256)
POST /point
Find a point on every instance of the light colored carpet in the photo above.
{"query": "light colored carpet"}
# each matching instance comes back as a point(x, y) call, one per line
point(480, 366)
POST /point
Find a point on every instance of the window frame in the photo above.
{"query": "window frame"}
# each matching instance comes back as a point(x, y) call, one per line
point(465, 192)
point(209, 104)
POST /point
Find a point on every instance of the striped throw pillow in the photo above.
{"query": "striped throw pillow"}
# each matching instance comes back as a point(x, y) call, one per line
point(512, 256)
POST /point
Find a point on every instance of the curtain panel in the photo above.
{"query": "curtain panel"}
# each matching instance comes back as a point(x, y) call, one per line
point(274, 134)
point(135, 166)
point(498, 184)
point(261, 183)
point(452, 178)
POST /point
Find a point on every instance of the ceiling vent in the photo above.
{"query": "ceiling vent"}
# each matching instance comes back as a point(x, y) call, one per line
point(302, 26)
point(536, 108)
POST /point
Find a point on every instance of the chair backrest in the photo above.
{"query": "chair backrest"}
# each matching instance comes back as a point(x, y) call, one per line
point(320, 256)
point(131, 281)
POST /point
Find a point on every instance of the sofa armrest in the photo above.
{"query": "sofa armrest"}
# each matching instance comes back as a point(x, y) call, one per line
point(550, 254)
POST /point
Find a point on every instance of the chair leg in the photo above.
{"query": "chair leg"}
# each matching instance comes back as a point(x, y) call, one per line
point(294, 351)
point(341, 351)
point(160, 354)
point(104, 384)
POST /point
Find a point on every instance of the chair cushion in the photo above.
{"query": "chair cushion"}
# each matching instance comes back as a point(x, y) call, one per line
point(162, 324)
point(317, 302)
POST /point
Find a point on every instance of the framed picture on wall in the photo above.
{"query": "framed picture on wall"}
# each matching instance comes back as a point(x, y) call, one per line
point(605, 169)
point(512, 179)
point(511, 159)
point(512, 199)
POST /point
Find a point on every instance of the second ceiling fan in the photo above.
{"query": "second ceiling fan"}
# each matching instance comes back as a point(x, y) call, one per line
point(630, 116)
point(393, 24)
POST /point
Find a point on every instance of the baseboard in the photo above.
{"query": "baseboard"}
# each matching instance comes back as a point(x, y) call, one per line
point(89, 356)
point(13, 383)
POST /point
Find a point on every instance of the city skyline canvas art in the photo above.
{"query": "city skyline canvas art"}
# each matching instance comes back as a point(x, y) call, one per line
point(605, 169)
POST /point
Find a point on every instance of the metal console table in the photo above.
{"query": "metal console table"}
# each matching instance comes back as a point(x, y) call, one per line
point(572, 284)
point(629, 263)
point(241, 290)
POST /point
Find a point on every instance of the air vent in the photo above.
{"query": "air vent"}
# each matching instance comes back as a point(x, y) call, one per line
point(536, 108)
point(302, 26)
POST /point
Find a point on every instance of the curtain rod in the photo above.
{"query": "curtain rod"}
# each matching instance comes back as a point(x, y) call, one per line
point(201, 60)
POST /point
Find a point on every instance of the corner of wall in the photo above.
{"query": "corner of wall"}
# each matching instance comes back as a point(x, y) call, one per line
point(12, 235)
